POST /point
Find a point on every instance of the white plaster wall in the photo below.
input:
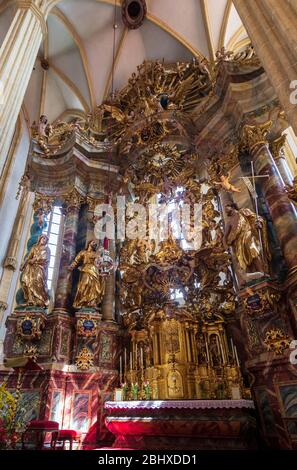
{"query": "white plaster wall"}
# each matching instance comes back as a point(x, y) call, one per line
point(9, 206)
point(15, 279)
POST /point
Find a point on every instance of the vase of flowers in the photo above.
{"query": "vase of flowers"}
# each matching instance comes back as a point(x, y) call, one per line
point(124, 387)
point(134, 390)
point(147, 390)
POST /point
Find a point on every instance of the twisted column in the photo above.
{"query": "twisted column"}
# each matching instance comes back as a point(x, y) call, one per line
point(108, 302)
point(64, 284)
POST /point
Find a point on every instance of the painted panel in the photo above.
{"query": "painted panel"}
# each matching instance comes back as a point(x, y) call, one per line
point(80, 412)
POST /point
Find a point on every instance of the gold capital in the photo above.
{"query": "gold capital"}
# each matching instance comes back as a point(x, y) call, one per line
point(252, 136)
point(72, 200)
point(43, 204)
point(276, 146)
point(35, 8)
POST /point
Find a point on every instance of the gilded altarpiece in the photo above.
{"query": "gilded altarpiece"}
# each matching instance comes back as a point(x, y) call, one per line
point(172, 318)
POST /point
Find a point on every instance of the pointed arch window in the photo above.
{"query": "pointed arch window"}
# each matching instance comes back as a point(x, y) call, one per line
point(54, 231)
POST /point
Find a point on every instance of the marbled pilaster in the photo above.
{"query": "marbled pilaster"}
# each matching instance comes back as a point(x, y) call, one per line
point(282, 211)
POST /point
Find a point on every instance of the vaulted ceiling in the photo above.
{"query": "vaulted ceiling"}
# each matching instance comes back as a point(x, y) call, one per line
point(79, 47)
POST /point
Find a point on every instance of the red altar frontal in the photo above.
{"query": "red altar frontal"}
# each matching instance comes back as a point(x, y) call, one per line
point(182, 425)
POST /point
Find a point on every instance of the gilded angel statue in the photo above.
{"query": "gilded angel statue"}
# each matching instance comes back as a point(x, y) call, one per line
point(247, 235)
point(34, 273)
point(91, 285)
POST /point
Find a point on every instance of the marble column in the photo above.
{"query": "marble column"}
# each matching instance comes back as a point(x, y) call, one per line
point(277, 152)
point(17, 57)
point(282, 212)
point(108, 303)
point(64, 283)
point(271, 26)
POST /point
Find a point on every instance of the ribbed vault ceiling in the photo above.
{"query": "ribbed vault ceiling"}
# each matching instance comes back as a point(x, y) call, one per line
point(79, 47)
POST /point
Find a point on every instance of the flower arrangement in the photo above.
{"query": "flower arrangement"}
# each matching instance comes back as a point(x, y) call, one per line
point(8, 413)
point(134, 390)
point(124, 388)
point(147, 390)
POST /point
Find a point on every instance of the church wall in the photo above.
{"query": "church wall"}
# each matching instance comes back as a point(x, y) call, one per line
point(9, 205)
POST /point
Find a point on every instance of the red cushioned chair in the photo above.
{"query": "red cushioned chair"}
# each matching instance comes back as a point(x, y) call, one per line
point(39, 428)
point(65, 435)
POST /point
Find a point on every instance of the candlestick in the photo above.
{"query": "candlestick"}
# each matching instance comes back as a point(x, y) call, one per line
point(207, 352)
point(232, 347)
point(222, 349)
point(141, 358)
point(131, 360)
point(121, 371)
point(218, 345)
point(136, 361)
point(236, 355)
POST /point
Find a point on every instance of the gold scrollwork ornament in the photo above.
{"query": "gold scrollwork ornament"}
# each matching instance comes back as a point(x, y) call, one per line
point(29, 328)
point(85, 359)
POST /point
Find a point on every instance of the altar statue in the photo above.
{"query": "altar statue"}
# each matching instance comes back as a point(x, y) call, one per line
point(214, 351)
point(247, 235)
point(34, 273)
point(40, 129)
point(91, 285)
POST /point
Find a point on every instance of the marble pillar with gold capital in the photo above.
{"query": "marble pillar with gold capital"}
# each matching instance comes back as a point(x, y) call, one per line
point(64, 284)
point(277, 151)
point(282, 212)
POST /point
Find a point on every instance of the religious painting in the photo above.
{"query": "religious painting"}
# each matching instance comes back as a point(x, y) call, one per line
point(56, 407)
point(45, 343)
point(288, 395)
point(106, 348)
point(172, 338)
point(28, 406)
point(65, 341)
point(265, 411)
point(80, 411)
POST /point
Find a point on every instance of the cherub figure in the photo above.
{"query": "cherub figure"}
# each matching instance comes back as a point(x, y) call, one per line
point(226, 185)
point(42, 126)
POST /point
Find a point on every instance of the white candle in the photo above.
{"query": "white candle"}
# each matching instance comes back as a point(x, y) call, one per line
point(136, 361)
point(121, 371)
point(125, 359)
point(141, 357)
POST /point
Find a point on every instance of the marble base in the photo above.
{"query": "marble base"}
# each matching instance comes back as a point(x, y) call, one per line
point(182, 425)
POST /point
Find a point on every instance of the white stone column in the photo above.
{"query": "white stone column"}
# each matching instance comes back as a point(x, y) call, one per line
point(271, 26)
point(17, 57)
point(277, 151)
